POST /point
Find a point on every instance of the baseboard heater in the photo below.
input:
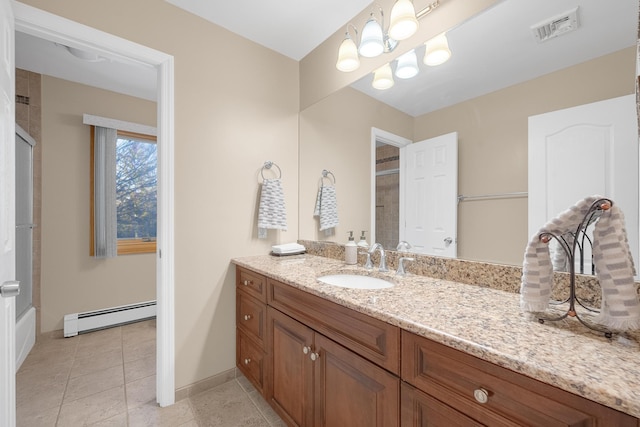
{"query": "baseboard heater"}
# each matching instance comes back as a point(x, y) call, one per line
point(80, 323)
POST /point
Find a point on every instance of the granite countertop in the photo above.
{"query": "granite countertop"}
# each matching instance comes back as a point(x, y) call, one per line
point(483, 322)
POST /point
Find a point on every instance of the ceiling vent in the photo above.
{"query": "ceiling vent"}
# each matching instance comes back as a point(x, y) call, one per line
point(556, 26)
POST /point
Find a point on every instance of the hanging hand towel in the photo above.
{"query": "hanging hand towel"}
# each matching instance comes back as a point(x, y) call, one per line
point(271, 212)
point(620, 307)
point(327, 209)
point(537, 269)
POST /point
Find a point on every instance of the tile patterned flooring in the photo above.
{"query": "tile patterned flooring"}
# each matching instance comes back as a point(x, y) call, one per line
point(107, 378)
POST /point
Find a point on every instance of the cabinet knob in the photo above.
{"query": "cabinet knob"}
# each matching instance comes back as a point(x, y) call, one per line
point(314, 356)
point(306, 349)
point(481, 395)
point(247, 317)
point(247, 282)
point(247, 361)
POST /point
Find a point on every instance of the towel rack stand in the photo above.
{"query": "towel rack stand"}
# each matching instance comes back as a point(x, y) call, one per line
point(594, 212)
point(267, 165)
point(326, 173)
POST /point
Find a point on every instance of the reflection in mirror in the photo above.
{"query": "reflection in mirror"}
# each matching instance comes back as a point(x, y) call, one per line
point(487, 99)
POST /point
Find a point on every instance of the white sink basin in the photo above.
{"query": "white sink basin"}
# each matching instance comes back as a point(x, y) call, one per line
point(355, 281)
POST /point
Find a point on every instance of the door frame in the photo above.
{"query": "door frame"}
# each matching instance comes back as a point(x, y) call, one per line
point(379, 135)
point(52, 27)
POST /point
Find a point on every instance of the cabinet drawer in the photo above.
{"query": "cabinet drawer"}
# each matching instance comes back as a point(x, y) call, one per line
point(250, 359)
point(250, 317)
point(421, 410)
point(459, 379)
point(251, 283)
point(371, 338)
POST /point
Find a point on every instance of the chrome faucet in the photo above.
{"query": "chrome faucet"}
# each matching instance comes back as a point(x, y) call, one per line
point(383, 256)
point(401, 270)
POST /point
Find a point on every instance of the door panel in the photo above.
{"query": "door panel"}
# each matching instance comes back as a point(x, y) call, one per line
point(431, 195)
point(7, 215)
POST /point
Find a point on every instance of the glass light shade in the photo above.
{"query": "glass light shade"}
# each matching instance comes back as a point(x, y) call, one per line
point(371, 42)
point(404, 23)
point(348, 56)
point(407, 66)
point(383, 77)
point(437, 51)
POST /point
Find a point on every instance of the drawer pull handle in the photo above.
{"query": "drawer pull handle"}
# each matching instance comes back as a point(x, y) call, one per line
point(306, 349)
point(247, 317)
point(247, 361)
point(314, 356)
point(481, 395)
point(247, 282)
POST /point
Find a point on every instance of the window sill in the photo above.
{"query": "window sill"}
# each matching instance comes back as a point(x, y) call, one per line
point(135, 246)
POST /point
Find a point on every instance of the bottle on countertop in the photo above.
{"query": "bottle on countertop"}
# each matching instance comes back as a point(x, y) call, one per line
point(363, 242)
point(351, 251)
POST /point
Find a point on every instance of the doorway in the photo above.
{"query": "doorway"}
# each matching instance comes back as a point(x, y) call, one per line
point(54, 28)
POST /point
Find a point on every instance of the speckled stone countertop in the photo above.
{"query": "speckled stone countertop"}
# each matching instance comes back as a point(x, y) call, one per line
point(483, 322)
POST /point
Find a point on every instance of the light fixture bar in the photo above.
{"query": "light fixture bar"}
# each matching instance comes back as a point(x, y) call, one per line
point(427, 10)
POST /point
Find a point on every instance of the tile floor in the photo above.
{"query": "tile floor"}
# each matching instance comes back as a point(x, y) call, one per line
point(107, 378)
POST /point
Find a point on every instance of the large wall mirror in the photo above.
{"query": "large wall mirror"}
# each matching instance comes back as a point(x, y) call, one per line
point(498, 76)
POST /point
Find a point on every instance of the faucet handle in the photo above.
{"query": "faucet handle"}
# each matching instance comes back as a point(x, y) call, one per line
point(368, 265)
point(401, 270)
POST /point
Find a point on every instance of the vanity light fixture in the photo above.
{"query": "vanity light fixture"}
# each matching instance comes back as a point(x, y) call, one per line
point(437, 50)
point(374, 40)
point(407, 65)
point(348, 59)
point(404, 22)
point(383, 77)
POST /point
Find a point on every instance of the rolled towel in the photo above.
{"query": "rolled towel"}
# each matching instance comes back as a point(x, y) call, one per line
point(537, 269)
point(615, 269)
point(327, 208)
point(271, 212)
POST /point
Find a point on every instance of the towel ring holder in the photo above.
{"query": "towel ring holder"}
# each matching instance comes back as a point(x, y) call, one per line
point(267, 165)
point(326, 173)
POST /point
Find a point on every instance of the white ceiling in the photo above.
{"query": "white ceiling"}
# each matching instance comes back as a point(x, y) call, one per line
point(491, 51)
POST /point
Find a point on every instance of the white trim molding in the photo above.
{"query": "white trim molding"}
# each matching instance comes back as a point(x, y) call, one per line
point(106, 122)
point(45, 25)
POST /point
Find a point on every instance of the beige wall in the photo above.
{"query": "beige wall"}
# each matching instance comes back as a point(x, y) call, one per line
point(335, 134)
point(73, 281)
point(493, 135)
point(230, 117)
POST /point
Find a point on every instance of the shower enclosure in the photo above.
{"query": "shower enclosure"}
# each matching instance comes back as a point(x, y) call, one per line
point(25, 312)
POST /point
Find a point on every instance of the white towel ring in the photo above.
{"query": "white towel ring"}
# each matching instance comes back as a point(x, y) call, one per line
point(267, 165)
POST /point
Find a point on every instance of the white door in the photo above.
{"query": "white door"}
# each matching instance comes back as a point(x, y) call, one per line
point(430, 195)
point(583, 151)
point(7, 216)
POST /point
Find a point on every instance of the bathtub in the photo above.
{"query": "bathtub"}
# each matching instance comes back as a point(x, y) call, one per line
point(25, 335)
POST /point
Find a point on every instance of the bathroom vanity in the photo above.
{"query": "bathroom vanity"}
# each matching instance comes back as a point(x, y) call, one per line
point(423, 352)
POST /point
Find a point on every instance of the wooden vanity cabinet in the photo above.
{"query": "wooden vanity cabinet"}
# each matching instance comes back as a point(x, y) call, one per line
point(316, 382)
point(251, 317)
point(487, 394)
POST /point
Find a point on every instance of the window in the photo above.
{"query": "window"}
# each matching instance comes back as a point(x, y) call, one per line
point(136, 179)
point(136, 195)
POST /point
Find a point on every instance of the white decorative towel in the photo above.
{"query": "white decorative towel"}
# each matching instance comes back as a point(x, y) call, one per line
point(612, 258)
point(620, 307)
point(537, 269)
point(327, 209)
point(271, 212)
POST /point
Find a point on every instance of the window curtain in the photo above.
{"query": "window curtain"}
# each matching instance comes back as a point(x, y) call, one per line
point(105, 222)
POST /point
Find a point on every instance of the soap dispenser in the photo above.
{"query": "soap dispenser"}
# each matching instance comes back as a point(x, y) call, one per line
point(363, 242)
point(351, 251)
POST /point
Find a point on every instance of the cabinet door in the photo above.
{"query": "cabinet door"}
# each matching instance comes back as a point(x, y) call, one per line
point(250, 360)
point(351, 391)
point(250, 317)
point(421, 410)
point(290, 389)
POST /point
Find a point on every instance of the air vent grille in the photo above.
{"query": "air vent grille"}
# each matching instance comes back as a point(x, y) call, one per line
point(556, 26)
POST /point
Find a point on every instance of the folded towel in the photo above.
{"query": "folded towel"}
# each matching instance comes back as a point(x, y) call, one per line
point(620, 307)
point(613, 260)
point(327, 209)
point(271, 212)
point(537, 268)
